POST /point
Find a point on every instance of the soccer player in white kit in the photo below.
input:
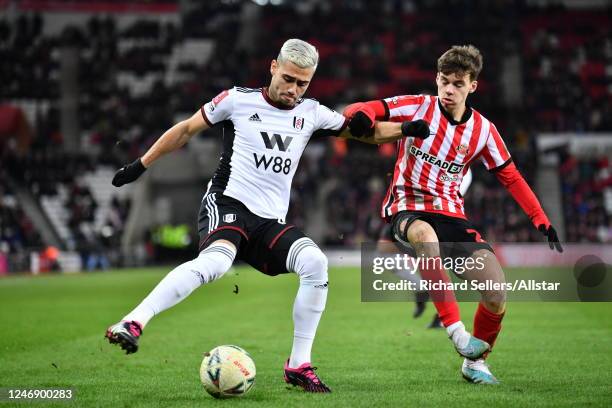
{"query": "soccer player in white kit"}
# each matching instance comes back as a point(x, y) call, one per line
point(265, 131)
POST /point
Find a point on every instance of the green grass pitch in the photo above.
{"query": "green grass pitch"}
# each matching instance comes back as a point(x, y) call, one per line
point(371, 354)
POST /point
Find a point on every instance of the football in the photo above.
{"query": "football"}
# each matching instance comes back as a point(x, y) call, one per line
point(227, 371)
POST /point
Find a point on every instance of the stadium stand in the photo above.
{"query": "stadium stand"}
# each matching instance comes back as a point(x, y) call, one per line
point(587, 198)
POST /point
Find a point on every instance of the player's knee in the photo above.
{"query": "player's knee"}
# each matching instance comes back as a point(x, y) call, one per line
point(315, 266)
point(310, 263)
point(213, 262)
point(421, 232)
point(423, 238)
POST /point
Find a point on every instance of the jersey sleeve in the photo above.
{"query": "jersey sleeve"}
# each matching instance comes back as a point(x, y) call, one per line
point(495, 155)
point(220, 108)
point(401, 108)
point(328, 122)
point(513, 181)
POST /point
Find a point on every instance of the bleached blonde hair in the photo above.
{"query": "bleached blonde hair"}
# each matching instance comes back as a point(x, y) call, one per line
point(299, 52)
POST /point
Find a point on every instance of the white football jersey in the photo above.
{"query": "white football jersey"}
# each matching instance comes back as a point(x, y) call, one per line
point(262, 146)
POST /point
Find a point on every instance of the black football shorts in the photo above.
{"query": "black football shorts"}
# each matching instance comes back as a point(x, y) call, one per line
point(261, 242)
point(458, 237)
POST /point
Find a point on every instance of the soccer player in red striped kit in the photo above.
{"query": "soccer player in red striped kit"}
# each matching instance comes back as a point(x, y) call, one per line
point(424, 207)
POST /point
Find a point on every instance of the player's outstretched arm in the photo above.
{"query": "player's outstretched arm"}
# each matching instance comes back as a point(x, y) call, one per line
point(513, 181)
point(173, 139)
point(362, 127)
point(385, 132)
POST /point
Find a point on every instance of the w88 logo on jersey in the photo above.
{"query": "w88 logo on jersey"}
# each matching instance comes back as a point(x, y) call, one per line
point(275, 163)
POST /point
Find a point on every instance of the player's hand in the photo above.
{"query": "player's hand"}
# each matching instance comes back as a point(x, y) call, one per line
point(361, 124)
point(361, 119)
point(551, 234)
point(128, 173)
point(418, 128)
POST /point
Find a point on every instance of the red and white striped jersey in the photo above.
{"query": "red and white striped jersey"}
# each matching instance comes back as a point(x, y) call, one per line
point(428, 172)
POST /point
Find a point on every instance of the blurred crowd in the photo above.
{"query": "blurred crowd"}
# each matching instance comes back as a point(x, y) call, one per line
point(587, 198)
point(17, 230)
point(368, 50)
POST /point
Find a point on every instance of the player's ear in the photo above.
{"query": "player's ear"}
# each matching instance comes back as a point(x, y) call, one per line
point(473, 86)
point(273, 66)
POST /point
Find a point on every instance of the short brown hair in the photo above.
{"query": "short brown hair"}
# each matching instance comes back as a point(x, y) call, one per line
point(461, 60)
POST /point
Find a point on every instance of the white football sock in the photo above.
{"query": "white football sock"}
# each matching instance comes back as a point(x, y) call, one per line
point(458, 335)
point(211, 264)
point(310, 264)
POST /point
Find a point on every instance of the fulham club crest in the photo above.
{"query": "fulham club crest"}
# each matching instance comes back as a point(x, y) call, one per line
point(463, 149)
point(298, 123)
point(229, 218)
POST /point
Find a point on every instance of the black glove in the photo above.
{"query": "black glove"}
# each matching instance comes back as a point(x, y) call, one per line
point(551, 234)
point(128, 173)
point(360, 125)
point(418, 128)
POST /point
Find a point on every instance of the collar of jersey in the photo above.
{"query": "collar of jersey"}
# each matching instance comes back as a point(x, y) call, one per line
point(264, 92)
point(466, 115)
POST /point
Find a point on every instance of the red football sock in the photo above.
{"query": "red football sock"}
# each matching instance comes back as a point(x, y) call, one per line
point(444, 300)
point(487, 324)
